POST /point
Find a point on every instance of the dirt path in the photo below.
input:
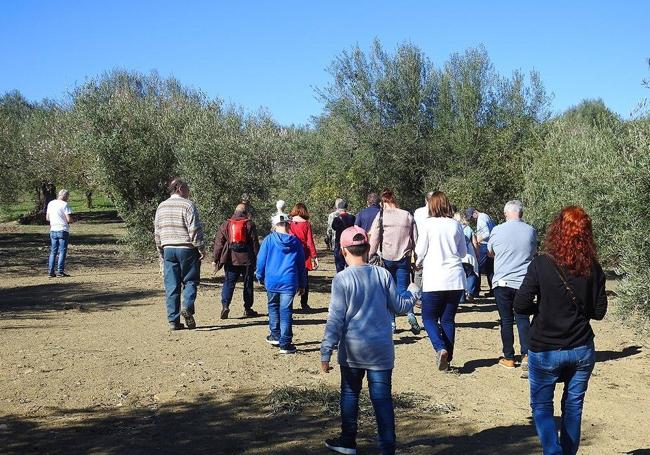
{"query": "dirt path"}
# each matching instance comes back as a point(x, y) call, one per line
point(88, 366)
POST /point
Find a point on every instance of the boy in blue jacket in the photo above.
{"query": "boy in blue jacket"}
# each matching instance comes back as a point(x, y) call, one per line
point(364, 302)
point(281, 269)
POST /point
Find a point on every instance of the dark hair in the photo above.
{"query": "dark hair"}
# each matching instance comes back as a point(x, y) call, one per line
point(358, 250)
point(176, 184)
point(300, 210)
point(439, 206)
point(388, 197)
point(570, 241)
point(372, 199)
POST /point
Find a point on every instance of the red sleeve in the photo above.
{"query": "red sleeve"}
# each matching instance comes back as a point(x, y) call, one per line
point(310, 242)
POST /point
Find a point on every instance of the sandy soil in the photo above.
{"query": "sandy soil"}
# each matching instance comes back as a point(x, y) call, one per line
point(88, 366)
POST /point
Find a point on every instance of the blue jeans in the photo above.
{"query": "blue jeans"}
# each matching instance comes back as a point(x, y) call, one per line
point(181, 271)
point(473, 285)
point(545, 369)
point(505, 298)
point(339, 260)
point(231, 275)
point(401, 273)
point(58, 244)
point(485, 264)
point(439, 317)
point(379, 386)
point(281, 317)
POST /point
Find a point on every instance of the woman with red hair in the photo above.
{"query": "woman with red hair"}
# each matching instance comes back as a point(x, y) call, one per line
point(570, 287)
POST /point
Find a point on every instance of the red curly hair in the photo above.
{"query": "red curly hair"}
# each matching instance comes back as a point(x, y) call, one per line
point(570, 241)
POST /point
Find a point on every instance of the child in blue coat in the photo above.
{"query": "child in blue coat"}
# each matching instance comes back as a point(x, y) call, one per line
point(281, 269)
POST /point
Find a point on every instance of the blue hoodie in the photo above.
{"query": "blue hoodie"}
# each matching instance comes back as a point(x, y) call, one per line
point(281, 263)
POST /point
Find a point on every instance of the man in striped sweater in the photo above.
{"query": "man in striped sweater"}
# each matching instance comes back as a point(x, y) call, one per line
point(179, 240)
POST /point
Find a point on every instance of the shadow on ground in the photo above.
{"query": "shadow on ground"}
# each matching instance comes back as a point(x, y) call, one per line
point(57, 295)
point(240, 423)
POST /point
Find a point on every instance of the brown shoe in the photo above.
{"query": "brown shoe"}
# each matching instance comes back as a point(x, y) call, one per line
point(224, 312)
point(506, 363)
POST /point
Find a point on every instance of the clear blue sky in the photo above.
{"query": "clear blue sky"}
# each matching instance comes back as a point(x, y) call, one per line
point(273, 53)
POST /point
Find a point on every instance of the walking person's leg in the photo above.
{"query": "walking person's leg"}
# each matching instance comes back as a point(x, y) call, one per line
point(54, 249)
point(63, 252)
point(432, 306)
point(351, 379)
point(448, 319)
point(230, 276)
point(339, 261)
point(247, 272)
point(274, 317)
point(191, 276)
point(544, 370)
point(402, 280)
point(573, 397)
point(172, 279)
point(304, 298)
point(379, 386)
point(505, 301)
point(286, 322)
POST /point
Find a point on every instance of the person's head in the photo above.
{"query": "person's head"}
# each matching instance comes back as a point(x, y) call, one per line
point(373, 199)
point(570, 241)
point(341, 204)
point(280, 222)
point(64, 195)
point(280, 205)
point(461, 218)
point(337, 202)
point(388, 198)
point(354, 245)
point(471, 213)
point(513, 210)
point(439, 206)
point(240, 210)
point(300, 210)
point(179, 186)
point(427, 197)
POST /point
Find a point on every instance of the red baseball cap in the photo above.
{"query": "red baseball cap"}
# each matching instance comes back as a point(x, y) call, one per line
point(347, 237)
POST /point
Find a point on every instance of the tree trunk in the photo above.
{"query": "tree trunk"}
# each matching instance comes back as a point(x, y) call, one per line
point(89, 199)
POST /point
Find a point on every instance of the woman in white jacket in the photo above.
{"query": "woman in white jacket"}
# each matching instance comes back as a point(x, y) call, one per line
point(440, 248)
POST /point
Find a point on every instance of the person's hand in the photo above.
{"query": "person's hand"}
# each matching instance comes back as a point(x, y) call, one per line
point(314, 263)
point(325, 367)
point(417, 267)
point(215, 267)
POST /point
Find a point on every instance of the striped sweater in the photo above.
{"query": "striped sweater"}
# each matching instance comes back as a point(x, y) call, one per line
point(177, 224)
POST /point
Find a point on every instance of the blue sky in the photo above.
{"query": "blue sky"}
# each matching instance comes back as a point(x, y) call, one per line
point(272, 54)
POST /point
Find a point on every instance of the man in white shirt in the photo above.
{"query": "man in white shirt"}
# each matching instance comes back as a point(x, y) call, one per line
point(58, 214)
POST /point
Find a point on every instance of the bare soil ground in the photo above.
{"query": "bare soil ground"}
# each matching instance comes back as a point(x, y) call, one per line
point(88, 366)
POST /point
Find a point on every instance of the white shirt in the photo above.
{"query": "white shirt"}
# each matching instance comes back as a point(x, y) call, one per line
point(56, 212)
point(420, 215)
point(440, 248)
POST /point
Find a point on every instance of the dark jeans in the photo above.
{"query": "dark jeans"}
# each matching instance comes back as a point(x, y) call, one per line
point(58, 244)
point(304, 298)
point(573, 367)
point(182, 271)
point(401, 273)
point(281, 317)
point(485, 264)
point(439, 317)
point(379, 386)
point(231, 275)
point(505, 298)
point(339, 260)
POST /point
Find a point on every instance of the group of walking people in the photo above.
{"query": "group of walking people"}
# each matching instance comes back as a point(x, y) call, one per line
point(389, 261)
